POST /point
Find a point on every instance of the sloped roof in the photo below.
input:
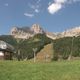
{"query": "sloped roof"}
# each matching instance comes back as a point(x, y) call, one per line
point(5, 46)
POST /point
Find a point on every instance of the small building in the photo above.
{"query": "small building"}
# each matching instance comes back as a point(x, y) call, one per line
point(6, 51)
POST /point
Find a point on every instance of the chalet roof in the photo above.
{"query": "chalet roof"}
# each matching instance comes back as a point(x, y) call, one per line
point(5, 46)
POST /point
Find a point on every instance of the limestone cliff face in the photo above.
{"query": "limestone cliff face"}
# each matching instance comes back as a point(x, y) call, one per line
point(26, 32)
point(71, 32)
point(37, 29)
point(68, 33)
point(51, 35)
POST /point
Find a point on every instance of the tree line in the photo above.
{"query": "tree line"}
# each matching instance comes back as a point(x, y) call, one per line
point(66, 48)
point(24, 47)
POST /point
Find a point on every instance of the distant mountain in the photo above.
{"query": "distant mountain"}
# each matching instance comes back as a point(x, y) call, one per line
point(27, 32)
point(51, 35)
point(70, 32)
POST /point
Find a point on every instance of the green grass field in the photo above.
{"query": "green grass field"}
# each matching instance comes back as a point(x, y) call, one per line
point(64, 70)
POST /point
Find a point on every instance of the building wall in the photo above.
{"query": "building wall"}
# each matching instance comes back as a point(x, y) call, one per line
point(1, 55)
point(5, 55)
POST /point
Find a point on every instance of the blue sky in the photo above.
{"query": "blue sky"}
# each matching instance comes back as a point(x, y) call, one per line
point(52, 15)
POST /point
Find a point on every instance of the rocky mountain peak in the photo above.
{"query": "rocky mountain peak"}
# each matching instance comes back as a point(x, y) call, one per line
point(26, 32)
point(37, 29)
point(14, 30)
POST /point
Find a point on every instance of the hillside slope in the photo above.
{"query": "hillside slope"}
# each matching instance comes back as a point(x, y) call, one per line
point(46, 54)
point(67, 47)
point(26, 46)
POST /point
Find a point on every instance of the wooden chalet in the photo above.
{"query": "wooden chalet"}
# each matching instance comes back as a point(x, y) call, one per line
point(6, 51)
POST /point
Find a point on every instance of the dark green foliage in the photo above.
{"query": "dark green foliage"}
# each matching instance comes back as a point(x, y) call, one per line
point(66, 46)
point(38, 41)
point(9, 39)
point(26, 46)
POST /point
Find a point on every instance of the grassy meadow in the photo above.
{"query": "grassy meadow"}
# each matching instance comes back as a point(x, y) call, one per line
point(24, 70)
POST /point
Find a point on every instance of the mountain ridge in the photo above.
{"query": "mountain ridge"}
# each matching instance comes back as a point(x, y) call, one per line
point(27, 32)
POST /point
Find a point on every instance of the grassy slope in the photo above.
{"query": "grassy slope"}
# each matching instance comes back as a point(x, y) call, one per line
point(12, 70)
point(47, 50)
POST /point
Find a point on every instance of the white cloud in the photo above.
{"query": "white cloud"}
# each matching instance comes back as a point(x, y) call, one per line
point(72, 1)
point(56, 6)
point(53, 8)
point(32, 6)
point(49, 3)
point(29, 15)
point(60, 1)
point(6, 4)
point(37, 10)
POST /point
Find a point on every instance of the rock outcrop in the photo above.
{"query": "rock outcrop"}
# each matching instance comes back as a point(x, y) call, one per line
point(26, 32)
point(71, 32)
